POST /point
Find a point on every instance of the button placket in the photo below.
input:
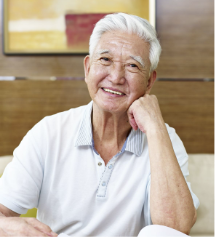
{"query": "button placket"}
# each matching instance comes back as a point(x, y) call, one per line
point(101, 192)
point(100, 166)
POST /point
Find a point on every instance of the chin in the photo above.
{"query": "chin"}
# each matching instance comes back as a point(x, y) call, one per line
point(112, 108)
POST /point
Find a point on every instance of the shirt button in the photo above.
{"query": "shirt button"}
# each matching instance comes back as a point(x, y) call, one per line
point(110, 166)
point(104, 184)
point(99, 163)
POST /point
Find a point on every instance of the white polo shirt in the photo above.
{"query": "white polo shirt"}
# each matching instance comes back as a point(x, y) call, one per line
point(56, 169)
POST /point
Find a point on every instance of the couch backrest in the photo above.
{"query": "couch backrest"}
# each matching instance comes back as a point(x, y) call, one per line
point(4, 160)
point(201, 168)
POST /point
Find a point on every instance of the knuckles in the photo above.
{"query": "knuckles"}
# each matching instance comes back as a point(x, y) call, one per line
point(34, 222)
point(145, 100)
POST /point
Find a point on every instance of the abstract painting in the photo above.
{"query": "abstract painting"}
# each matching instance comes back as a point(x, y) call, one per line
point(59, 26)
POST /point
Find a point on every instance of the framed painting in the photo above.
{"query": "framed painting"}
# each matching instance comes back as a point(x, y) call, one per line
point(60, 27)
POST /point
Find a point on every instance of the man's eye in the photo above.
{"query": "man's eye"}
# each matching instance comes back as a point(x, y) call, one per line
point(133, 65)
point(105, 59)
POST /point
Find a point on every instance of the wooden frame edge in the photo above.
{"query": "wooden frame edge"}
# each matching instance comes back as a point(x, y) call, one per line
point(152, 12)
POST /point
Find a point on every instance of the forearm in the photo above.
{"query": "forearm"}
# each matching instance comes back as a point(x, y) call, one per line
point(6, 212)
point(170, 199)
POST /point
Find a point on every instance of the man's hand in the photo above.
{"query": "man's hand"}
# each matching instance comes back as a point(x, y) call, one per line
point(19, 226)
point(144, 113)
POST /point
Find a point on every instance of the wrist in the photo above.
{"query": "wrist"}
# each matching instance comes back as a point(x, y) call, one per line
point(155, 128)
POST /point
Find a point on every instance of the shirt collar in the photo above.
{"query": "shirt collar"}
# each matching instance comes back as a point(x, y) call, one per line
point(85, 132)
point(134, 142)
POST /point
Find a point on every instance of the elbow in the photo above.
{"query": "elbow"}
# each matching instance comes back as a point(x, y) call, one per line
point(194, 218)
point(182, 228)
point(185, 229)
point(190, 223)
point(183, 225)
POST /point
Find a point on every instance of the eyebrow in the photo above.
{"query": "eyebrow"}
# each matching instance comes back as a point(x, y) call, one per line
point(138, 59)
point(102, 51)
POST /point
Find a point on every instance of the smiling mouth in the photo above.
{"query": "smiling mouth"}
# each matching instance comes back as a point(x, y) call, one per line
point(113, 92)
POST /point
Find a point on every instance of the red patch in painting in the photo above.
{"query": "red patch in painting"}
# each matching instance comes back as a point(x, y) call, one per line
point(79, 28)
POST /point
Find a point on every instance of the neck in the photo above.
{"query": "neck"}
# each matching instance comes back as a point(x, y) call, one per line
point(109, 129)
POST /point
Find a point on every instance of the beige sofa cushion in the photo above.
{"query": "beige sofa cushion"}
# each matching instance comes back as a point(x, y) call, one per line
point(4, 160)
point(202, 235)
point(201, 168)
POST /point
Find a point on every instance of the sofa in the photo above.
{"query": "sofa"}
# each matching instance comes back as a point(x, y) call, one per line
point(201, 168)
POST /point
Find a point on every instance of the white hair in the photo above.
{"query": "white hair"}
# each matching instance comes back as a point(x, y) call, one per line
point(131, 24)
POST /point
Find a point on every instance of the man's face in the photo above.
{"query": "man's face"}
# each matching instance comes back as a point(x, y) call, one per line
point(117, 73)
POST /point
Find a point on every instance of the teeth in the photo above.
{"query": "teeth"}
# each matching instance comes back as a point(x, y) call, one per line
point(113, 92)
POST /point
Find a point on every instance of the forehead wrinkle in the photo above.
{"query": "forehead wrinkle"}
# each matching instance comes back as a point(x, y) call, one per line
point(138, 59)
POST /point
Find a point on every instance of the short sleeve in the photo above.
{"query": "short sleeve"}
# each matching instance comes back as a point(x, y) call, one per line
point(22, 179)
point(182, 158)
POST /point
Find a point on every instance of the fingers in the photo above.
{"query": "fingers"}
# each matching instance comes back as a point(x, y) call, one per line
point(40, 226)
point(132, 122)
point(144, 113)
point(18, 226)
point(28, 230)
point(131, 119)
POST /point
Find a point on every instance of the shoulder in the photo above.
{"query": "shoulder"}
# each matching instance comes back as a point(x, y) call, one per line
point(63, 125)
point(53, 131)
point(175, 139)
point(69, 118)
point(70, 115)
point(177, 145)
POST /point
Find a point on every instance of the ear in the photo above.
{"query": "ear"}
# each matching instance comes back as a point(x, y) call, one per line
point(86, 67)
point(151, 81)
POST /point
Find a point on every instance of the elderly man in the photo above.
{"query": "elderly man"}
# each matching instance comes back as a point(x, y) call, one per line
point(111, 167)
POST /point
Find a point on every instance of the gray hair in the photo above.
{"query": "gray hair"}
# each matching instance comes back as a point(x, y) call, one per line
point(131, 24)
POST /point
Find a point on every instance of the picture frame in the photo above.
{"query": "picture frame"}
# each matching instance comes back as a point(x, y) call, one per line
point(39, 27)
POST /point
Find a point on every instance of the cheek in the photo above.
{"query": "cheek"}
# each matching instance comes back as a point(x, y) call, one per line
point(137, 86)
point(97, 74)
point(99, 71)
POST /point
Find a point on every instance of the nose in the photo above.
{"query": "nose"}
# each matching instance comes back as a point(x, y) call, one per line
point(117, 73)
